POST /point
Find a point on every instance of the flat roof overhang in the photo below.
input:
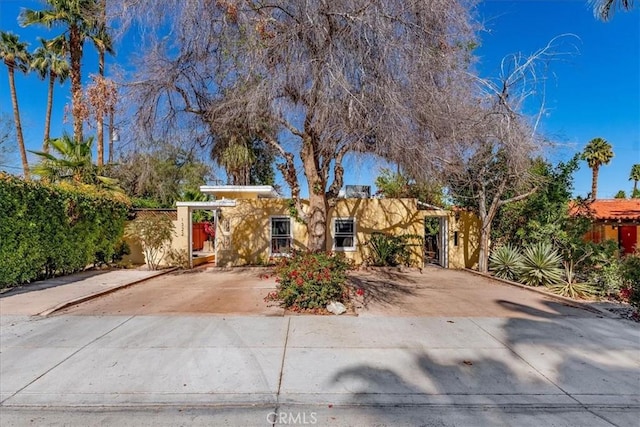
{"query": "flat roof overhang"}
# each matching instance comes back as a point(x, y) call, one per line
point(263, 191)
point(208, 205)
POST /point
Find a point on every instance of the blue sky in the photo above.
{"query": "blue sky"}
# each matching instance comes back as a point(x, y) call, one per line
point(594, 93)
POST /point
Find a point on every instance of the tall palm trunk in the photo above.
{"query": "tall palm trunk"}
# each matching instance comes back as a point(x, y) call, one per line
point(47, 119)
point(111, 136)
point(16, 118)
point(635, 188)
point(75, 48)
point(594, 182)
point(100, 118)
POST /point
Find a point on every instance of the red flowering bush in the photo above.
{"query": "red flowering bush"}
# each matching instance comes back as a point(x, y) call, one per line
point(310, 280)
point(625, 294)
point(210, 230)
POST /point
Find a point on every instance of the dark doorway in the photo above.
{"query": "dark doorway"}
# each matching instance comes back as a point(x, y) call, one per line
point(432, 240)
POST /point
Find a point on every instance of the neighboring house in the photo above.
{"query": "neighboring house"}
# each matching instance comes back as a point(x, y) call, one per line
point(615, 219)
point(254, 225)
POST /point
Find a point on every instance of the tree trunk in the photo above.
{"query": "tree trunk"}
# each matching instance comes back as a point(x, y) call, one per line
point(16, 118)
point(594, 182)
point(100, 118)
point(317, 222)
point(47, 119)
point(318, 208)
point(483, 252)
point(111, 135)
point(635, 188)
point(100, 137)
point(75, 48)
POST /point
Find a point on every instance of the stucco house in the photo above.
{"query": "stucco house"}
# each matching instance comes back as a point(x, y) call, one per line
point(254, 225)
point(617, 220)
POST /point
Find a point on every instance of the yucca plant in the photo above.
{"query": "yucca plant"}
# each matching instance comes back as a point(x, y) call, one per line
point(506, 262)
point(540, 265)
point(570, 287)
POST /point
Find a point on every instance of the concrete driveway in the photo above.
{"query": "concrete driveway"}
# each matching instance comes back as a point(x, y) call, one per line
point(204, 291)
point(432, 292)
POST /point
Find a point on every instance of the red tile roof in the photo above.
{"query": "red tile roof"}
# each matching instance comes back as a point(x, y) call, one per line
point(614, 209)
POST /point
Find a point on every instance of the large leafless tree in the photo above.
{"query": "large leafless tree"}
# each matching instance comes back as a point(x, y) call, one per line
point(325, 77)
point(486, 143)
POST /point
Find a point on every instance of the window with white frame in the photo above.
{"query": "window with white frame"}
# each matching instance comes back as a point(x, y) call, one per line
point(281, 237)
point(344, 234)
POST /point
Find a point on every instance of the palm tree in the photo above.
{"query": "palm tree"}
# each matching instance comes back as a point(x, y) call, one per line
point(49, 60)
point(77, 16)
point(73, 163)
point(103, 43)
point(635, 177)
point(604, 9)
point(596, 153)
point(14, 54)
point(236, 158)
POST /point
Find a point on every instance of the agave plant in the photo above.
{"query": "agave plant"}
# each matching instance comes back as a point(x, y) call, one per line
point(506, 262)
point(540, 265)
point(570, 287)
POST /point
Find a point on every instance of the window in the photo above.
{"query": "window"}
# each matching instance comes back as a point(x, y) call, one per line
point(344, 234)
point(280, 236)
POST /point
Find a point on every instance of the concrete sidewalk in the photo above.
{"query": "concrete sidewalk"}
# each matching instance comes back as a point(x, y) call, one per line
point(44, 297)
point(395, 371)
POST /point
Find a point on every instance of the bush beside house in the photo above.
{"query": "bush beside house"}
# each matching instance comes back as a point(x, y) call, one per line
point(50, 230)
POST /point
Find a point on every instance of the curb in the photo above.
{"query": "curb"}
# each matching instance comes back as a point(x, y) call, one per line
point(577, 304)
point(85, 298)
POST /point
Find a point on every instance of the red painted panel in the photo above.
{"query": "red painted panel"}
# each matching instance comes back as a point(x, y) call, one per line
point(198, 236)
point(628, 238)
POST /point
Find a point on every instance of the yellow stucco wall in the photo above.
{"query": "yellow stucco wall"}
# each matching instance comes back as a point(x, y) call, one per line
point(244, 231)
point(609, 233)
point(390, 216)
point(465, 253)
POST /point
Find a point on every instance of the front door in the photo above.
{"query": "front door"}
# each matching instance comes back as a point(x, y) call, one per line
point(628, 238)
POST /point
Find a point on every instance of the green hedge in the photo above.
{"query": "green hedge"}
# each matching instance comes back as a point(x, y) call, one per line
point(48, 230)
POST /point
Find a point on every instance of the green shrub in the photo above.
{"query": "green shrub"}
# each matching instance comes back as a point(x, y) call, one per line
point(631, 277)
point(311, 280)
point(506, 262)
point(540, 265)
point(50, 230)
point(178, 258)
point(607, 276)
point(387, 250)
point(154, 234)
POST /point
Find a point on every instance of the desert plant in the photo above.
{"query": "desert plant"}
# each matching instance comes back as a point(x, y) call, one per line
point(570, 286)
point(631, 277)
point(309, 280)
point(506, 262)
point(387, 250)
point(540, 265)
point(154, 234)
point(178, 258)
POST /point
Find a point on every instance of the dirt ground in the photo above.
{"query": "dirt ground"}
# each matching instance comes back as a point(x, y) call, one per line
point(432, 292)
